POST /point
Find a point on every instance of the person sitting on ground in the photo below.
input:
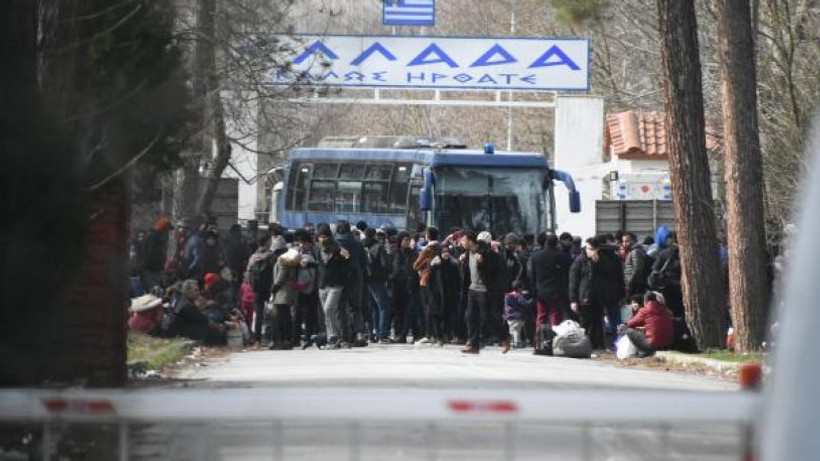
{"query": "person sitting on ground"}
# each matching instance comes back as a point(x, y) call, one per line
point(217, 307)
point(189, 321)
point(650, 329)
point(146, 314)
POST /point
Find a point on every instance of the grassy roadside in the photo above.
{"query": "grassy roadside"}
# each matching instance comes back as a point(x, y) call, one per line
point(149, 353)
point(733, 357)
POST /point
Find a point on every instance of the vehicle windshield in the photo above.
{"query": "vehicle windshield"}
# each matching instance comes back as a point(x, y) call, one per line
point(495, 199)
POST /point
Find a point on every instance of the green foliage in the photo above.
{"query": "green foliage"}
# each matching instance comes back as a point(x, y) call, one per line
point(578, 13)
point(734, 357)
point(134, 91)
point(153, 353)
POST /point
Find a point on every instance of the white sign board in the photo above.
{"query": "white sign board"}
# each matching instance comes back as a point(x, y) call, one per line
point(438, 62)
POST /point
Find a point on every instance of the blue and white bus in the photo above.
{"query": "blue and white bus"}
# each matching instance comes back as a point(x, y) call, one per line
point(407, 183)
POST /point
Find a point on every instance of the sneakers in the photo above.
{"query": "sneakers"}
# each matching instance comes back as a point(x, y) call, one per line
point(470, 349)
point(424, 340)
point(505, 346)
point(384, 341)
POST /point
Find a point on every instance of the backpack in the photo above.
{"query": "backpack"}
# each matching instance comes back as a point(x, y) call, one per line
point(303, 281)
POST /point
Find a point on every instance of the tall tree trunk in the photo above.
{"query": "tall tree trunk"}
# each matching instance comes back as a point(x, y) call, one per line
point(748, 284)
point(689, 167)
point(223, 148)
point(94, 313)
point(213, 111)
point(43, 230)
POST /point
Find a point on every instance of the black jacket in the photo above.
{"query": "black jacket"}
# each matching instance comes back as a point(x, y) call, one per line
point(333, 267)
point(513, 268)
point(602, 281)
point(550, 273)
point(377, 262)
point(352, 244)
point(672, 271)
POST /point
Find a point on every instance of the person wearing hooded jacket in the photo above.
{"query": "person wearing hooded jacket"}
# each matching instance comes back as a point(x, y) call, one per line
point(260, 269)
point(550, 269)
point(353, 294)
point(306, 309)
point(482, 268)
point(283, 297)
point(333, 273)
point(430, 294)
point(155, 247)
point(592, 285)
point(377, 295)
point(405, 284)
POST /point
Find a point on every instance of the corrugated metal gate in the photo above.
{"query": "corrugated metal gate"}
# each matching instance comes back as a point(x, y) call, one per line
point(641, 217)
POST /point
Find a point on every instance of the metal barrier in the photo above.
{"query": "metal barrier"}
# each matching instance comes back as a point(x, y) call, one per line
point(366, 423)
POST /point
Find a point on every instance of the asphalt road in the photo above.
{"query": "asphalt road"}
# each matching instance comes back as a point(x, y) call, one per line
point(431, 367)
point(404, 369)
point(406, 402)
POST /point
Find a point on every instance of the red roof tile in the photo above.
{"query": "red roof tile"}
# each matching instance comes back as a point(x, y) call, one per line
point(634, 135)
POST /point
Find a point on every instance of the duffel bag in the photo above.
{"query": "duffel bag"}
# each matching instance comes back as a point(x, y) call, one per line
point(574, 345)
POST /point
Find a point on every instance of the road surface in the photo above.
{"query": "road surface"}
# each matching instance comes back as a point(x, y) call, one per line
point(431, 367)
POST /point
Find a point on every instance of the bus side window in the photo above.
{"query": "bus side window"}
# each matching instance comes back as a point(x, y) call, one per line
point(299, 176)
point(397, 201)
point(374, 197)
point(322, 195)
point(348, 197)
point(414, 216)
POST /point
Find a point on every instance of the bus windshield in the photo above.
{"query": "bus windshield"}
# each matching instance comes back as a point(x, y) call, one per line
point(495, 199)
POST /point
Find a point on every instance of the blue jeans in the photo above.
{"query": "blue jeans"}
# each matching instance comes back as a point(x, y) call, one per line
point(380, 303)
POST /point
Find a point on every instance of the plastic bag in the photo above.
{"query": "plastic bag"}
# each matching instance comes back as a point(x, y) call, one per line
point(567, 327)
point(624, 348)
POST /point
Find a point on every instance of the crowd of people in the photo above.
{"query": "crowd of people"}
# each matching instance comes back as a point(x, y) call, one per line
point(339, 285)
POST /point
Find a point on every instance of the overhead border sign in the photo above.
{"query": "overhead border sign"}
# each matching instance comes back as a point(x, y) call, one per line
point(529, 64)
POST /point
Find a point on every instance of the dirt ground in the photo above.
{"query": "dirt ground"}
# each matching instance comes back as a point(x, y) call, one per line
point(656, 363)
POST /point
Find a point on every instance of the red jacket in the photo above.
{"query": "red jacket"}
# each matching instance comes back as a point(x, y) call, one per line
point(657, 321)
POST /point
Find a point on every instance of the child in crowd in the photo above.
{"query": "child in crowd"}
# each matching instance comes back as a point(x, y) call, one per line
point(516, 305)
point(247, 300)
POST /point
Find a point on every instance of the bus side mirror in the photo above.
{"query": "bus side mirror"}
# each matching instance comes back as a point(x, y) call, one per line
point(575, 202)
point(425, 199)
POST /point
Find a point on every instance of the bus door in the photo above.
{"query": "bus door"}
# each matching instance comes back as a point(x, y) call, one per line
point(414, 215)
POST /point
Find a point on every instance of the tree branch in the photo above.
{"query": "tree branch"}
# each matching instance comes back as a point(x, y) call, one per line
point(125, 167)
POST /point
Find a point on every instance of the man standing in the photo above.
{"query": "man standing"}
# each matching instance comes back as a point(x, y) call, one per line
point(334, 271)
point(379, 300)
point(550, 278)
point(155, 247)
point(306, 308)
point(260, 275)
point(483, 264)
point(636, 265)
point(354, 289)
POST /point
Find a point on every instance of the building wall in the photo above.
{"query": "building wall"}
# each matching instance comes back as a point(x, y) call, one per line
point(579, 144)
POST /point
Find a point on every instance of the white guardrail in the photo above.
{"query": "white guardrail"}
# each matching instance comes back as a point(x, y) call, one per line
point(660, 411)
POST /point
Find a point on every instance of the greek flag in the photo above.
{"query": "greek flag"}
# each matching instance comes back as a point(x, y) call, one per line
point(409, 12)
